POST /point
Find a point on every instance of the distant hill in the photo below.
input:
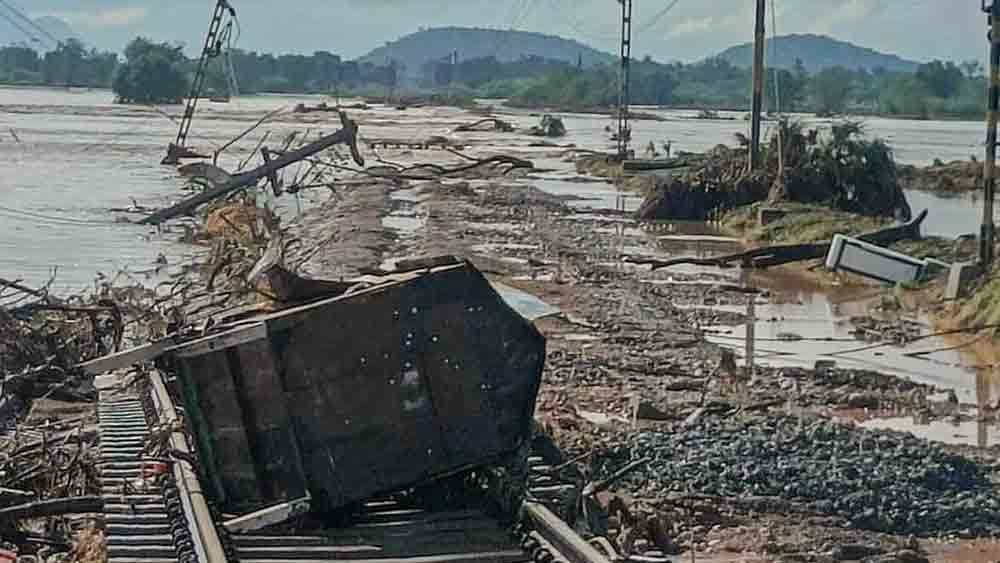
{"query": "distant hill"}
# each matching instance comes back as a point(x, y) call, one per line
point(818, 52)
point(10, 34)
point(506, 45)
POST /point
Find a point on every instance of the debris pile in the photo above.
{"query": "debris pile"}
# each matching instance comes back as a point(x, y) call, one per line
point(42, 338)
point(960, 176)
point(719, 182)
point(550, 126)
point(844, 170)
point(487, 124)
point(45, 460)
point(878, 481)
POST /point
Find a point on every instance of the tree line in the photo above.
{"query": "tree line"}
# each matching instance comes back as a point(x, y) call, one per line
point(70, 64)
point(152, 72)
point(159, 72)
point(936, 89)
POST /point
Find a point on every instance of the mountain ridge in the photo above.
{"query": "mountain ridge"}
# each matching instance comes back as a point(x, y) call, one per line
point(817, 53)
point(415, 49)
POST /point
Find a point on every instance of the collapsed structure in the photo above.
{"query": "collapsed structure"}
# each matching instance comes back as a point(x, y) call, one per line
point(364, 388)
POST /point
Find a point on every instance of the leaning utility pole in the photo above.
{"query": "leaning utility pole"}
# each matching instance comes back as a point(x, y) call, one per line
point(218, 36)
point(624, 78)
point(758, 87)
point(987, 232)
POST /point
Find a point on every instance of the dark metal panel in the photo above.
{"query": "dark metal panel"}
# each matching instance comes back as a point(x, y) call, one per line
point(380, 390)
point(218, 404)
point(414, 380)
point(272, 440)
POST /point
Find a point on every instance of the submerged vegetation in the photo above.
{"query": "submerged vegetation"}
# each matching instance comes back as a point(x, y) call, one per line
point(151, 74)
point(844, 171)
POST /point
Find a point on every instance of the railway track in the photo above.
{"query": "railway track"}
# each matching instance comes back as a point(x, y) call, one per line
point(155, 511)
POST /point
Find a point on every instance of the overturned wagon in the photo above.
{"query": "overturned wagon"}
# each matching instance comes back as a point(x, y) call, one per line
point(423, 375)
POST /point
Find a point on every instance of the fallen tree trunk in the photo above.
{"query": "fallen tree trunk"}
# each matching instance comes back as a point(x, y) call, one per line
point(11, 496)
point(53, 507)
point(497, 125)
point(347, 135)
point(768, 256)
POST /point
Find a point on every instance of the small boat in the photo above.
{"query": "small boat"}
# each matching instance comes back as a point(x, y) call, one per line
point(219, 99)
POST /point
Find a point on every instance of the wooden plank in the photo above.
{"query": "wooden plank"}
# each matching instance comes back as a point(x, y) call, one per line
point(273, 442)
point(128, 358)
point(268, 516)
point(221, 341)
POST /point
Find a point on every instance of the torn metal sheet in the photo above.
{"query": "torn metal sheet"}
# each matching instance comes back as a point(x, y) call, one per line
point(526, 304)
point(421, 375)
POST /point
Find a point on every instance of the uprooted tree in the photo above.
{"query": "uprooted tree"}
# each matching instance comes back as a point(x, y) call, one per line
point(843, 170)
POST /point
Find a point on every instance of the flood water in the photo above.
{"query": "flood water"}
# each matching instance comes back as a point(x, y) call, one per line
point(67, 157)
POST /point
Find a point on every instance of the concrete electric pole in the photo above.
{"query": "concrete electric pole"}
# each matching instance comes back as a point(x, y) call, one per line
point(758, 86)
point(988, 230)
point(624, 79)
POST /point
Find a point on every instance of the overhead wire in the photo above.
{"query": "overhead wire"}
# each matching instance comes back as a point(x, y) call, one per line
point(640, 29)
point(13, 21)
point(656, 19)
point(578, 28)
point(52, 220)
point(20, 13)
point(519, 10)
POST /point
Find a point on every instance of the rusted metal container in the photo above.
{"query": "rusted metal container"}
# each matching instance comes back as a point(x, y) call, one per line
point(421, 376)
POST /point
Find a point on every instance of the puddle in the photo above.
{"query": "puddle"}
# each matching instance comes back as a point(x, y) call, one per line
point(579, 337)
point(598, 218)
point(528, 305)
point(963, 433)
point(493, 247)
point(949, 217)
point(697, 239)
point(513, 260)
point(621, 231)
point(406, 224)
point(531, 277)
point(821, 320)
point(502, 227)
point(412, 195)
point(706, 282)
point(589, 194)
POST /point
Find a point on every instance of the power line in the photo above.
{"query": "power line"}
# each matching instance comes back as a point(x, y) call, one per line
point(51, 220)
point(656, 19)
point(20, 27)
point(17, 12)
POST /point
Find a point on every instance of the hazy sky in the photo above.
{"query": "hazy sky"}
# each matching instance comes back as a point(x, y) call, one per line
point(916, 29)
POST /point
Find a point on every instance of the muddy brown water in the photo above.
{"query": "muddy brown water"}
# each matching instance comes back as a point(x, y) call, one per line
point(67, 157)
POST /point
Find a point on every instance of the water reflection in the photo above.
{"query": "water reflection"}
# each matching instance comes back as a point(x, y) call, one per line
point(972, 424)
